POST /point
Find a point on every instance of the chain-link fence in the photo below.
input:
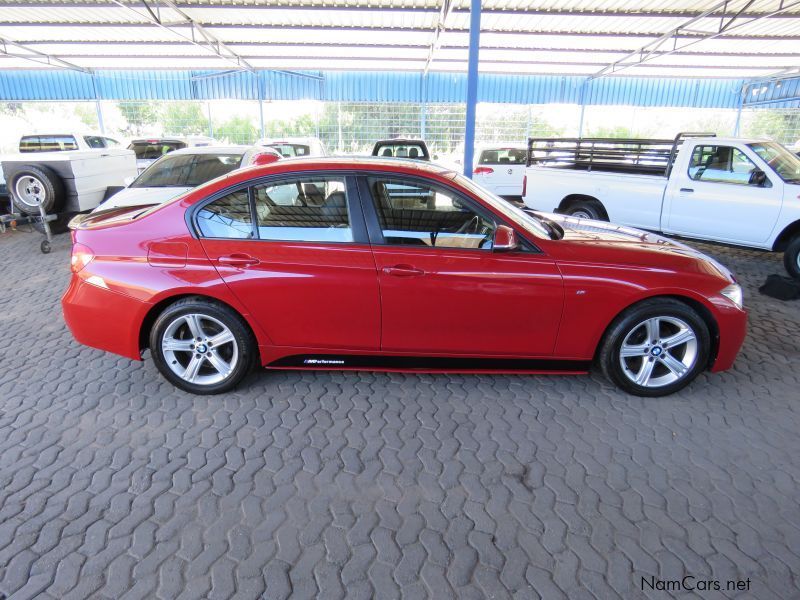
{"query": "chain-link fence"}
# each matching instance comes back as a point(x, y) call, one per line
point(353, 128)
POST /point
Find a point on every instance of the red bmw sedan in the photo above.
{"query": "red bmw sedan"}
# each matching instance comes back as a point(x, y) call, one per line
point(329, 263)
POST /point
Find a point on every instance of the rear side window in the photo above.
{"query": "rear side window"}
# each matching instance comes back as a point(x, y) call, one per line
point(153, 149)
point(503, 156)
point(304, 210)
point(227, 217)
point(47, 143)
point(95, 141)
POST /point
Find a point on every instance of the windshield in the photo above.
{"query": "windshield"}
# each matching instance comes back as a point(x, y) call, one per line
point(289, 150)
point(187, 170)
point(783, 162)
point(153, 149)
point(531, 223)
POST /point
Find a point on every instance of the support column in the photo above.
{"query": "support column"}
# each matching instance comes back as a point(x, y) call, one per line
point(100, 124)
point(583, 107)
point(210, 124)
point(261, 94)
point(472, 84)
point(738, 124)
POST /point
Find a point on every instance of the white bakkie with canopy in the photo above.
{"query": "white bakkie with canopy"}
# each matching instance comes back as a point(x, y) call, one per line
point(744, 192)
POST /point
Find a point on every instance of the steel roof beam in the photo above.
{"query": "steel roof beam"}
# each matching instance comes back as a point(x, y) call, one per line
point(661, 46)
point(441, 24)
point(199, 36)
point(38, 57)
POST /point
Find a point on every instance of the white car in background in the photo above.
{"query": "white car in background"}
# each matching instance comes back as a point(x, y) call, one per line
point(181, 170)
point(290, 147)
point(149, 150)
point(501, 169)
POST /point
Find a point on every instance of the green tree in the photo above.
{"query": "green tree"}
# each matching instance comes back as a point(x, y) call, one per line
point(87, 114)
point(138, 114)
point(236, 130)
point(780, 125)
point(184, 118)
point(619, 131)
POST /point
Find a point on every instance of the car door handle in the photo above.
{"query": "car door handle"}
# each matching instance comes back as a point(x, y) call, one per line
point(687, 190)
point(238, 260)
point(403, 271)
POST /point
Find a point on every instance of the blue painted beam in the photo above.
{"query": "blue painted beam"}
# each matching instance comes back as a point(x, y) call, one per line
point(472, 84)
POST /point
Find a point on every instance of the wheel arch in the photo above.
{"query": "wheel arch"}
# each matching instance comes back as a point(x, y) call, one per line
point(571, 199)
point(785, 236)
point(156, 309)
point(694, 303)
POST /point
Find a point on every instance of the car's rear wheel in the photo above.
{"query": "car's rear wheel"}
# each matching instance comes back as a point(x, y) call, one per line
point(791, 257)
point(202, 346)
point(656, 348)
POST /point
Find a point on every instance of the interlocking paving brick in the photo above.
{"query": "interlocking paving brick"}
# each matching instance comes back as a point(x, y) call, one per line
point(115, 485)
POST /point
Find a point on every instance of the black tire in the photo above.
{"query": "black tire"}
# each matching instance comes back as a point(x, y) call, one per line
point(45, 247)
point(586, 209)
point(791, 257)
point(630, 324)
point(212, 313)
point(59, 225)
point(41, 178)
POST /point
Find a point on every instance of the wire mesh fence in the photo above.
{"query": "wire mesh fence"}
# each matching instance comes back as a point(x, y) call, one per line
point(353, 128)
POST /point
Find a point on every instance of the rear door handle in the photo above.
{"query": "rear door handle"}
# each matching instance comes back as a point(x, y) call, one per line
point(689, 190)
point(403, 271)
point(238, 260)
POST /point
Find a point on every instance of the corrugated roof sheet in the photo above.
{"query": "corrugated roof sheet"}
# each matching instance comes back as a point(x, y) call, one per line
point(366, 86)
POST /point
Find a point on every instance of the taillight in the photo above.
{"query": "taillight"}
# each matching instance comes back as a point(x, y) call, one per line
point(483, 171)
point(524, 185)
point(81, 256)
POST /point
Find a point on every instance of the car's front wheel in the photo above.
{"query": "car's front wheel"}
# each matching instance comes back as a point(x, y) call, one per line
point(655, 348)
point(202, 346)
point(791, 257)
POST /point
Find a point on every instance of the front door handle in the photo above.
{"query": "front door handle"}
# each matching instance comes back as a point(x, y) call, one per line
point(238, 260)
point(403, 271)
point(687, 190)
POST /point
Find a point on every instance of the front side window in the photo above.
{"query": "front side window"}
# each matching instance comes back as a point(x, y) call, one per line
point(309, 209)
point(227, 217)
point(417, 214)
point(723, 164)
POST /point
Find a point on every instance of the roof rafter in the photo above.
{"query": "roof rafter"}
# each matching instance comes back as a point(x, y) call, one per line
point(37, 57)
point(199, 36)
point(679, 40)
point(445, 11)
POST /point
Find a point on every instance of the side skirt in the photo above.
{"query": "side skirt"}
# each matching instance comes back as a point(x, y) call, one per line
point(429, 363)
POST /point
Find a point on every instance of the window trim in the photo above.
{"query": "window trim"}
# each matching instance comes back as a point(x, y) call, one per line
point(359, 228)
point(376, 231)
point(738, 185)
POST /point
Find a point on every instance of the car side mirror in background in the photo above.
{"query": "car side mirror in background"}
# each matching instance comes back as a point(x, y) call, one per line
point(505, 240)
point(128, 180)
point(265, 158)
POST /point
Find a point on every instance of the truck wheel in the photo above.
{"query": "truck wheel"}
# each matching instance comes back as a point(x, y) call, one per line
point(791, 257)
point(33, 185)
point(585, 210)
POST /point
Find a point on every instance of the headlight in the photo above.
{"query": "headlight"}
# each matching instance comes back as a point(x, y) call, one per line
point(733, 293)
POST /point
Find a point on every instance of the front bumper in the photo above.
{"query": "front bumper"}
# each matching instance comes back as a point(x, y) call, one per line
point(103, 319)
point(732, 324)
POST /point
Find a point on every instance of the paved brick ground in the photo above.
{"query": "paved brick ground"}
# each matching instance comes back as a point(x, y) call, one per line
point(114, 485)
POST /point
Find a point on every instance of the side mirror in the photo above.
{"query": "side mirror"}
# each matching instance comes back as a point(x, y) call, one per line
point(505, 240)
point(759, 178)
point(128, 180)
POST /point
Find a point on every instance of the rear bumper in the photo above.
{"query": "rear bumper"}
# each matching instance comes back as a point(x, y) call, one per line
point(103, 319)
point(732, 324)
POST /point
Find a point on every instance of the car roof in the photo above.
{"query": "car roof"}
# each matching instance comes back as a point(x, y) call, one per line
point(286, 140)
point(401, 141)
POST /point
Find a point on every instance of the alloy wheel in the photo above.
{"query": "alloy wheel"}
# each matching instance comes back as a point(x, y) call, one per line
point(658, 351)
point(199, 349)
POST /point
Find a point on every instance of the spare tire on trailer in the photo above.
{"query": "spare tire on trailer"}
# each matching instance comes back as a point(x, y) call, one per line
point(31, 185)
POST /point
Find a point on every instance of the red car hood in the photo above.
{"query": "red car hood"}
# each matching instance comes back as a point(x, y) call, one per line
point(610, 243)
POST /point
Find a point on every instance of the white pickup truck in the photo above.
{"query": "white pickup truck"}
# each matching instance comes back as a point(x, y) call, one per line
point(744, 192)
